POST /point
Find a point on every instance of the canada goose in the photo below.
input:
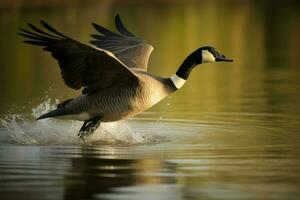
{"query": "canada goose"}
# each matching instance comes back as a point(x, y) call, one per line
point(113, 74)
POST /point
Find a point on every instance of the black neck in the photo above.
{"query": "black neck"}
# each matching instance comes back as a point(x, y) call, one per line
point(188, 65)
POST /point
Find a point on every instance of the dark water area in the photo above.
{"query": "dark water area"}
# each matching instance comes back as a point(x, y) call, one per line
point(231, 132)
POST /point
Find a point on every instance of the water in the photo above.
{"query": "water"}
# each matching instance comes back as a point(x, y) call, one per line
point(232, 132)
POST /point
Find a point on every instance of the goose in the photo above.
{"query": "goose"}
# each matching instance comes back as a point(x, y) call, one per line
point(112, 73)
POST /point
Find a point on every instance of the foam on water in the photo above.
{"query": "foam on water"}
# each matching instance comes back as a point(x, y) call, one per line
point(22, 129)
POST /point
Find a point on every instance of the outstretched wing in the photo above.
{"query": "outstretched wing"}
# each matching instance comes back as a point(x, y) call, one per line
point(131, 50)
point(81, 65)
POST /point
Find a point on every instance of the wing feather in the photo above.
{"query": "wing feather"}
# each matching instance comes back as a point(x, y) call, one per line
point(121, 28)
point(133, 51)
point(81, 65)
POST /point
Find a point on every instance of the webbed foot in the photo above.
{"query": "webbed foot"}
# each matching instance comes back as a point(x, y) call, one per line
point(89, 127)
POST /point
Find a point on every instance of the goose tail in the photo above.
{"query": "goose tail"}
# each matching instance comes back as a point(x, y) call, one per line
point(54, 113)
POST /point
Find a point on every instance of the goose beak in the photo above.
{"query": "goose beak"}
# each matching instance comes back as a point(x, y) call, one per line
point(224, 59)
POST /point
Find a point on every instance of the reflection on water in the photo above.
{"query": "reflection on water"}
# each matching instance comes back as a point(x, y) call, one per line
point(230, 133)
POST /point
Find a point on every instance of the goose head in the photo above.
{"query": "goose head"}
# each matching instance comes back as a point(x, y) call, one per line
point(202, 55)
point(211, 54)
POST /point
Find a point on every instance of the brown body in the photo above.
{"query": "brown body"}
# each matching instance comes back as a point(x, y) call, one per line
point(120, 102)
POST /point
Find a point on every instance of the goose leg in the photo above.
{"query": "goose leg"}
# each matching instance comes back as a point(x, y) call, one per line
point(89, 127)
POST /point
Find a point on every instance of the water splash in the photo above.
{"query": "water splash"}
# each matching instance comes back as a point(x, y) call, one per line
point(22, 129)
point(44, 107)
point(16, 131)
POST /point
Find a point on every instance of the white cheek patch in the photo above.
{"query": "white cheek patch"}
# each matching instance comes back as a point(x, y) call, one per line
point(178, 82)
point(207, 57)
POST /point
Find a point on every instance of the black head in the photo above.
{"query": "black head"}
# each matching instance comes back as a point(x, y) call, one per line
point(211, 54)
point(202, 55)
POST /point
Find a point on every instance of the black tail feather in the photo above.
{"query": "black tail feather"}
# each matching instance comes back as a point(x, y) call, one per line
point(53, 113)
